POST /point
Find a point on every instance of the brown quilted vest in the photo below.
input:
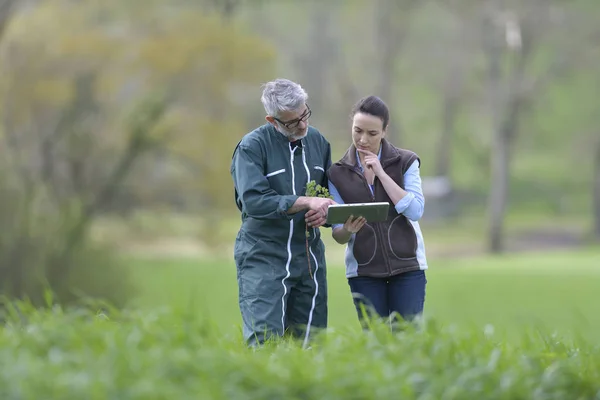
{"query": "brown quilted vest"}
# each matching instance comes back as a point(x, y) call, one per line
point(386, 248)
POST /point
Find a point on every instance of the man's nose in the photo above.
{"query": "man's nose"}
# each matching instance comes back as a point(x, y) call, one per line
point(302, 125)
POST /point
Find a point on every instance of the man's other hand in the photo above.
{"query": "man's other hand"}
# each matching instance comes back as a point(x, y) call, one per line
point(316, 215)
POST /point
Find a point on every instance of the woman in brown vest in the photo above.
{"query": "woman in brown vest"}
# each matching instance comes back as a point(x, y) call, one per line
point(385, 261)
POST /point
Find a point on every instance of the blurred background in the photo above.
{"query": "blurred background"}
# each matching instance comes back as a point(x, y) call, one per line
point(119, 118)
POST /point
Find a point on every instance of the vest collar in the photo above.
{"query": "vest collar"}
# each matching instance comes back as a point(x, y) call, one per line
point(388, 154)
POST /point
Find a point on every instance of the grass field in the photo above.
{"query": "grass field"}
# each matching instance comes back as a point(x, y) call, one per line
point(554, 291)
point(181, 339)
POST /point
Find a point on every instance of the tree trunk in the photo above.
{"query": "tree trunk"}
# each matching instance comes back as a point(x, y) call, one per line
point(507, 102)
point(444, 150)
point(596, 192)
point(498, 194)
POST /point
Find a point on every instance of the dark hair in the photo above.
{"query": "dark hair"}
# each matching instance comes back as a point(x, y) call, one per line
point(374, 106)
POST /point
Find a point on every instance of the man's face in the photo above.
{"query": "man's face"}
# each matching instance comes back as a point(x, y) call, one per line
point(292, 124)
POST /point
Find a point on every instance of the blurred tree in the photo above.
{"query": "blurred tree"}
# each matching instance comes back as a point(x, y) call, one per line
point(593, 54)
point(226, 7)
point(6, 11)
point(67, 155)
point(392, 24)
point(596, 189)
point(64, 156)
point(358, 72)
point(514, 38)
point(455, 53)
point(316, 56)
point(202, 64)
point(207, 69)
point(526, 52)
point(505, 105)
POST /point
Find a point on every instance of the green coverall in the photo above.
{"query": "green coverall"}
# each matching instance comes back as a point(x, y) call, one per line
point(277, 293)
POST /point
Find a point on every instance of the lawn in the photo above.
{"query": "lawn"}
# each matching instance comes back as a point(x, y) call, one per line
point(553, 291)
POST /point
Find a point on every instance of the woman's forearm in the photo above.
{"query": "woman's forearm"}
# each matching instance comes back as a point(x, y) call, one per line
point(395, 192)
point(341, 235)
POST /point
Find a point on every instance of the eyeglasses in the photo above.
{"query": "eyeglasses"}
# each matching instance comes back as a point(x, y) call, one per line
point(295, 122)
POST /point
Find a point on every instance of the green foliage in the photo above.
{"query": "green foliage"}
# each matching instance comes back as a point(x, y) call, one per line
point(206, 116)
point(57, 354)
point(314, 190)
point(127, 49)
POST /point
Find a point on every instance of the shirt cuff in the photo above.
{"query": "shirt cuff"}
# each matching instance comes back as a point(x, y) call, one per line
point(404, 202)
point(285, 203)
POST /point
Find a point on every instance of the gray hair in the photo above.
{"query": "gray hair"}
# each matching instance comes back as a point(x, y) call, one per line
point(282, 95)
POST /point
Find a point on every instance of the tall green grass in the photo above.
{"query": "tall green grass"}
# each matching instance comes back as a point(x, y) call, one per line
point(180, 355)
point(514, 327)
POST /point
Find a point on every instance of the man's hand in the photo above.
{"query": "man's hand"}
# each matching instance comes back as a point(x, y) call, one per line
point(316, 215)
point(372, 161)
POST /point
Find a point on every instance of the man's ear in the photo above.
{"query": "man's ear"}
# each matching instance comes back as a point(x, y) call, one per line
point(272, 121)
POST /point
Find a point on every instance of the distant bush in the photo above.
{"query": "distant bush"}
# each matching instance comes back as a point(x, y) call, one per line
point(54, 354)
point(47, 212)
point(45, 249)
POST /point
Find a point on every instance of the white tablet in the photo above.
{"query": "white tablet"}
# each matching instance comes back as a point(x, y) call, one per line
point(373, 212)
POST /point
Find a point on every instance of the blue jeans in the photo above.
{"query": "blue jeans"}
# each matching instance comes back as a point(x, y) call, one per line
point(403, 294)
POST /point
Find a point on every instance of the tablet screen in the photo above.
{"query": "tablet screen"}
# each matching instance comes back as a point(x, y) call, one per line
point(373, 212)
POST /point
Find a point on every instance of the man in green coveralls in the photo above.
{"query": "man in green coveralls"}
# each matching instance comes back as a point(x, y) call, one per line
point(279, 291)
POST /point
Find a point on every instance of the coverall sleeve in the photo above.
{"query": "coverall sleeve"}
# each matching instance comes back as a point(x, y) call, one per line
point(327, 165)
point(325, 181)
point(257, 197)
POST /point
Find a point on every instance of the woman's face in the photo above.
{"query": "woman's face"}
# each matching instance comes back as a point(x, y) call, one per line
point(367, 132)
